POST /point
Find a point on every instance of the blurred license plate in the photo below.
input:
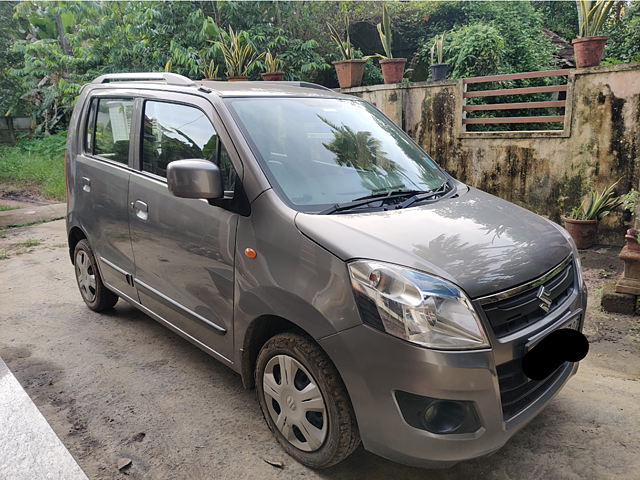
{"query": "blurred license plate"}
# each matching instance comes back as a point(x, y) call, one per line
point(573, 324)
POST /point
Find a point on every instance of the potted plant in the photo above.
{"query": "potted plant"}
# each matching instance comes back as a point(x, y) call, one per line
point(582, 223)
point(349, 69)
point(588, 47)
point(210, 72)
point(273, 66)
point(239, 54)
point(438, 70)
point(392, 68)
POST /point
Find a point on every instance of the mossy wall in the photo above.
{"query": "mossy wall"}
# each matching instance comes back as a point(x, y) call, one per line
point(546, 172)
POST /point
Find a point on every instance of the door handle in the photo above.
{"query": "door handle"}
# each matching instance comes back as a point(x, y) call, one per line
point(142, 210)
point(86, 184)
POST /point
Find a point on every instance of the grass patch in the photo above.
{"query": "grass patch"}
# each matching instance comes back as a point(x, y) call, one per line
point(4, 208)
point(31, 242)
point(37, 161)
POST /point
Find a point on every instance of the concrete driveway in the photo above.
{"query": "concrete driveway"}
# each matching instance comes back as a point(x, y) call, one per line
point(119, 385)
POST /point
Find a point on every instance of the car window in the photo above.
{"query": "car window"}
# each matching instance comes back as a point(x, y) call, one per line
point(175, 132)
point(110, 138)
point(227, 171)
point(90, 127)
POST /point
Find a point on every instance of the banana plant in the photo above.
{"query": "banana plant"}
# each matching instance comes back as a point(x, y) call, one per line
point(597, 205)
point(592, 15)
point(346, 49)
point(385, 37)
point(438, 44)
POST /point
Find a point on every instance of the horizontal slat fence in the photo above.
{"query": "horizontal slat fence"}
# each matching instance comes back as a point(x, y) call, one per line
point(514, 105)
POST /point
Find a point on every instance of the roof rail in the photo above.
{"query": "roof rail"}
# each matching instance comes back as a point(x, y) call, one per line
point(169, 78)
point(314, 85)
point(302, 84)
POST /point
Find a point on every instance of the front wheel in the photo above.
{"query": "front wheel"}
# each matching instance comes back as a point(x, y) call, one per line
point(94, 293)
point(305, 402)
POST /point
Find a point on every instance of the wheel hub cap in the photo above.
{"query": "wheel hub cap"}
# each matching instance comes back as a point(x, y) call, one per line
point(295, 403)
point(85, 276)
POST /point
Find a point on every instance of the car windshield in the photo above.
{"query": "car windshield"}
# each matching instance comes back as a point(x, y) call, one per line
point(318, 152)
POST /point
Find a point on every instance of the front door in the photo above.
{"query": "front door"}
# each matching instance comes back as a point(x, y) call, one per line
point(183, 248)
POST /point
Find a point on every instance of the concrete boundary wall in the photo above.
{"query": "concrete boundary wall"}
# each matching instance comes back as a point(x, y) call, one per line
point(547, 172)
point(10, 127)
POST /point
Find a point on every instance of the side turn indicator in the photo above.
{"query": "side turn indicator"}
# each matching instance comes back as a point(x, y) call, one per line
point(250, 252)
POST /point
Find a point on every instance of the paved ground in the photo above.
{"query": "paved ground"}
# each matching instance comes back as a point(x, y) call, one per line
point(119, 385)
point(29, 448)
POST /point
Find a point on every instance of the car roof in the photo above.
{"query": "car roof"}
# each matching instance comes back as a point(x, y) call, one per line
point(179, 83)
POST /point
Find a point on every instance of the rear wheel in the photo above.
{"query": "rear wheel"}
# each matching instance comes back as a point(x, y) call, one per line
point(305, 402)
point(94, 293)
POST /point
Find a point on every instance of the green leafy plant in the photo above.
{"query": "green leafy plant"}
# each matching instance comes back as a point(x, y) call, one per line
point(346, 49)
point(597, 205)
point(630, 199)
point(474, 51)
point(438, 45)
point(385, 37)
point(210, 70)
point(239, 53)
point(592, 17)
point(271, 63)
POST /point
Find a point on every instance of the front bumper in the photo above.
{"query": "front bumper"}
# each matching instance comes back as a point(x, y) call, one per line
point(374, 365)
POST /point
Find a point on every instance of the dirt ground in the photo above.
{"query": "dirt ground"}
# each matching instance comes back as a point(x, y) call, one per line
point(23, 196)
point(120, 385)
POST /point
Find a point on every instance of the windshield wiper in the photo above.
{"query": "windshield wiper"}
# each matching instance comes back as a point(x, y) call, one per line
point(424, 196)
point(390, 194)
point(376, 197)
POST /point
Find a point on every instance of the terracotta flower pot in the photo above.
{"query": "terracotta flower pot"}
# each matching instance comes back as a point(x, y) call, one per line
point(583, 232)
point(238, 78)
point(211, 80)
point(350, 72)
point(393, 69)
point(273, 76)
point(588, 50)
point(439, 71)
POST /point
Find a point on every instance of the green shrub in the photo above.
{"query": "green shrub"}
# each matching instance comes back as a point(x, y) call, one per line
point(36, 161)
point(474, 51)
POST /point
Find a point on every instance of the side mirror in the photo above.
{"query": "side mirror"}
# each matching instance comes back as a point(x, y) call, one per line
point(194, 178)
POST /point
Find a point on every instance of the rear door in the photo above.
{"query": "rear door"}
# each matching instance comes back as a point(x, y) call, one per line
point(102, 182)
point(184, 248)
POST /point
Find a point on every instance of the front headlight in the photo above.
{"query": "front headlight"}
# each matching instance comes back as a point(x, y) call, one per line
point(416, 307)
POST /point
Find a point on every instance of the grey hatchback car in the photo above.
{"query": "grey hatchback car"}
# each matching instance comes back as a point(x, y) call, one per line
point(300, 237)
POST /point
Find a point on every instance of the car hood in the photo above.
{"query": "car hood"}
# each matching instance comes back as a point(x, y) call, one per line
point(480, 242)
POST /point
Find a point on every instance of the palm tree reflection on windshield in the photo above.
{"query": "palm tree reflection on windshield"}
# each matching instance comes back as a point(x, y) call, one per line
point(361, 151)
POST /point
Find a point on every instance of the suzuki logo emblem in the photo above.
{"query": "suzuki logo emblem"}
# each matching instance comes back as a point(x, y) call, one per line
point(544, 296)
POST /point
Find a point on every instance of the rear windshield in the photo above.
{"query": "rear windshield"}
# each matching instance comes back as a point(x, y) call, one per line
point(319, 152)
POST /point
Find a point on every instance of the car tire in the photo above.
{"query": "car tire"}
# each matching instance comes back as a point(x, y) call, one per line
point(305, 402)
point(94, 293)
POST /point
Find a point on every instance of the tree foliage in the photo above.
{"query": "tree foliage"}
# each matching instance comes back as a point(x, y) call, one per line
point(49, 49)
point(623, 30)
point(523, 48)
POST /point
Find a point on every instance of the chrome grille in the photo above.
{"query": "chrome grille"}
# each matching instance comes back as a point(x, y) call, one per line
point(523, 308)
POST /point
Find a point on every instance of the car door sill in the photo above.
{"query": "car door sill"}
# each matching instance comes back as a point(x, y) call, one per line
point(170, 325)
point(179, 308)
point(127, 276)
